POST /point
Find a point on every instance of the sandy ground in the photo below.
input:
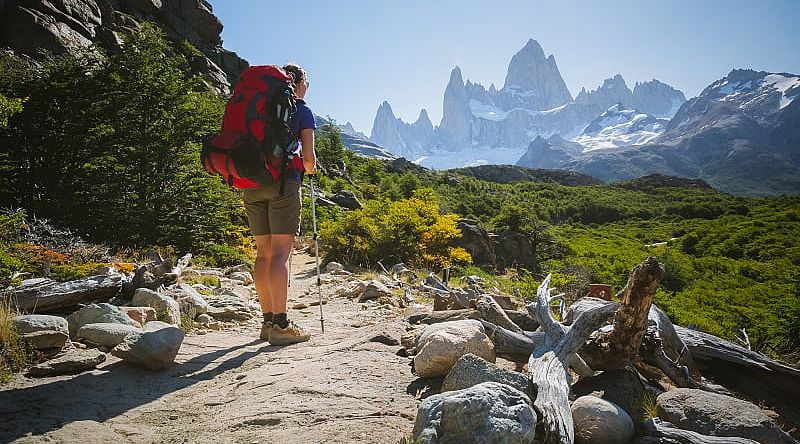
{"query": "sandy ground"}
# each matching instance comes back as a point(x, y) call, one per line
point(231, 387)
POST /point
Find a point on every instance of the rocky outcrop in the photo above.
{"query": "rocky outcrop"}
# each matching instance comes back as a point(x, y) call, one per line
point(533, 81)
point(28, 26)
point(455, 129)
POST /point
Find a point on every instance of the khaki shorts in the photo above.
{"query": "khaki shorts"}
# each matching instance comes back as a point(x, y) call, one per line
point(270, 213)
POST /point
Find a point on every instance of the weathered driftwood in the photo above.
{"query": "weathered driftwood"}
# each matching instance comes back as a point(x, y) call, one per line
point(491, 311)
point(510, 345)
point(47, 296)
point(550, 359)
point(752, 374)
point(659, 432)
point(183, 262)
point(661, 347)
point(618, 347)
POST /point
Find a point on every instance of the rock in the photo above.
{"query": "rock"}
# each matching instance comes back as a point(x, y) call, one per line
point(476, 241)
point(154, 348)
point(142, 315)
point(484, 413)
point(97, 313)
point(384, 338)
point(42, 331)
point(374, 289)
point(351, 290)
point(70, 362)
point(204, 319)
point(333, 267)
point(105, 334)
point(598, 421)
point(33, 323)
point(719, 415)
point(472, 370)
point(514, 248)
point(241, 268)
point(244, 277)
point(622, 387)
point(433, 281)
point(231, 304)
point(504, 301)
point(167, 309)
point(191, 303)
point(439, 346)
point(346, 199)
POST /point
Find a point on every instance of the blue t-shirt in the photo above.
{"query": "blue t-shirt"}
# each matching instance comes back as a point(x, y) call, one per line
point(303, 118)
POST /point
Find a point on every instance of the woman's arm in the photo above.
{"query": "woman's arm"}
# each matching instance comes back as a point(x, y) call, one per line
point(309, 156)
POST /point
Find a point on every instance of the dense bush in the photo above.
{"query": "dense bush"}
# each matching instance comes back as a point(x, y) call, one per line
point(108, 145)
point(408, 230)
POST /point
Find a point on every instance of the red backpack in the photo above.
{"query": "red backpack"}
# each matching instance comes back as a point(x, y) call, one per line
point(255, 146)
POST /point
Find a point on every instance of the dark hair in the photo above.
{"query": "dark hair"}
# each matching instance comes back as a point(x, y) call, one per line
point(295, 71)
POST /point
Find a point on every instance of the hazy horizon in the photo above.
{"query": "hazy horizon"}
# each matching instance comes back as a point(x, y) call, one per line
point(361, 53)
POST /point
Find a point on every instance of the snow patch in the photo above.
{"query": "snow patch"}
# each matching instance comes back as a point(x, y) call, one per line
point(486, 111)
point(784, 84)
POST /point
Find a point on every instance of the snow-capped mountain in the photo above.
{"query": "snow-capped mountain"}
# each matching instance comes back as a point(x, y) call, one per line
point(618, 127)
point(490, 126)
point(741, 135)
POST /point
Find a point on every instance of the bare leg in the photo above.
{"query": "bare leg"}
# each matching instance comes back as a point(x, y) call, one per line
point(261, 272)
point(278, 281)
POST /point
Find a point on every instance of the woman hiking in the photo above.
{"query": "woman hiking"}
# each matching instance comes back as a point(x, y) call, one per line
point(274, 221)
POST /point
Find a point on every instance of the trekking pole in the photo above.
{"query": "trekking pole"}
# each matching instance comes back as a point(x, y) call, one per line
point(316, 251)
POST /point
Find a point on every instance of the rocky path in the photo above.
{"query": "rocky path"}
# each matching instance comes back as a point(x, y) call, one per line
point(345, 385)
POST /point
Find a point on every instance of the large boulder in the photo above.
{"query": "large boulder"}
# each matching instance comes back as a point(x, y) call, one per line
point(719, 415)
point(155, 348)
point(485, 413)
point(598, 421)
point(167, 309)
point(441, 345)
point(97, 313)
point(42, 331)
point(476, 241)
point(142, 315)
point(514, 248)
point(473, 370)
point(622, 387)
point(70, 362)
point(106, 334)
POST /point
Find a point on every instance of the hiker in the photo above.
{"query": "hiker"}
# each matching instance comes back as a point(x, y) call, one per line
point(274, 221)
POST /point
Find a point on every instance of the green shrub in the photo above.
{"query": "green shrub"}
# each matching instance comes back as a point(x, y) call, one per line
point(408, 230)
point(16, 354)
point(218, 255)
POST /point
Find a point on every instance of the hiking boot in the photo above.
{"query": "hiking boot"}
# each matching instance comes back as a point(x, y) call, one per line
point(266, 327)
point(292, 334)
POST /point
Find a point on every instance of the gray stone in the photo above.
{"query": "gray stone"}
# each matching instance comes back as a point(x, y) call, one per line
point(433, 281)
point(346, 199)
point(333, 267)
point(484, 413)
point(70, 362)
point(472, 370)
point(105, 334)
point(374, 289)
point(230, 305)
point(97, 313)
point(241, 268)
point(33, 323)
point(244, 277)
point(191, 302)
point(46, 339)
point(441, 345)
point(598, 421)
point(719, 415)
point(154, 348)
point(204, 319)
point(622, 387)
point(167, 309)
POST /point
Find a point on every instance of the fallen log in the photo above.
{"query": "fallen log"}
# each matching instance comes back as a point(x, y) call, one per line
point(659, 432)
point(752, 374)
point(47, 296)
point(550, 359)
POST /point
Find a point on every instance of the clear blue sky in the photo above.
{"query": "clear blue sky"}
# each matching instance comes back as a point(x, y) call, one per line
point(362, 52)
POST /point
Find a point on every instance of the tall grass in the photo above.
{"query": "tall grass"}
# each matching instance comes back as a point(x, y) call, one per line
point(15, 353)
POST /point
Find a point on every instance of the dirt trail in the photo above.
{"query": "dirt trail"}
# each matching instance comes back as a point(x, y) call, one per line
point(230, 387)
